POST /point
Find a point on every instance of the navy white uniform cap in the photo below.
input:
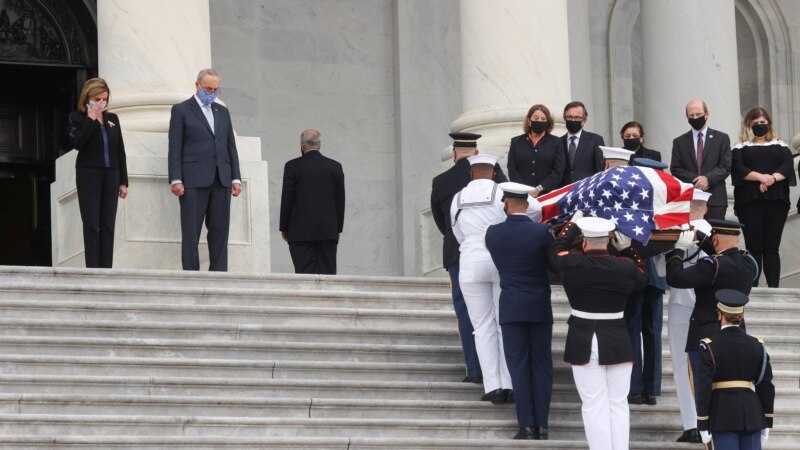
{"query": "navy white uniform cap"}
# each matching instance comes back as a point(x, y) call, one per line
point(595, 226)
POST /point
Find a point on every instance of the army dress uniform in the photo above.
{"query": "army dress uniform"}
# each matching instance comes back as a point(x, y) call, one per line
point(598, 347)
point(735, 394)
point(445, 186)
point(519, 249)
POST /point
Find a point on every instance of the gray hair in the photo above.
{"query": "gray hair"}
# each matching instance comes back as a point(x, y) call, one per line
point(209, 72)
point(310, 138)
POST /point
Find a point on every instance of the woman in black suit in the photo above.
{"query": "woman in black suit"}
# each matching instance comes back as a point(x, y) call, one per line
point(762, 171)
point(536, 158)
point(101, 172)
point(632, 135)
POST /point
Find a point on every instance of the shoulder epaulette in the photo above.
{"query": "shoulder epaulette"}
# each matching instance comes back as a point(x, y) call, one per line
point(760, 341)
point(706, 340)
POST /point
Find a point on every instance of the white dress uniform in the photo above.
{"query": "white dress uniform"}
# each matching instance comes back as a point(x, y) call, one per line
point(681, 305)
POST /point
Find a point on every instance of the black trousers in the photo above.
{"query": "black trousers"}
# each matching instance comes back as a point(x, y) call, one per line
point(314, 256)
point(763, 227)
point(98, 195)
point(716, 212)
point(212, 204)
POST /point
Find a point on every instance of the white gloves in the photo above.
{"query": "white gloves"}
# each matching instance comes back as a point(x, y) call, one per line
point(685, 240)
point(705, 436)
point(620, 241)
point(578, 214)
point(764, 435)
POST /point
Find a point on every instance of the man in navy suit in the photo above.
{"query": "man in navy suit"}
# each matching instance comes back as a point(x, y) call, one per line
point(584, 157)
point(204, 171)
point(702, 156)
point(519, 249)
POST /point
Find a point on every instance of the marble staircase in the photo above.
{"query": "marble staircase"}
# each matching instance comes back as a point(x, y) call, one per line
point(133, 359)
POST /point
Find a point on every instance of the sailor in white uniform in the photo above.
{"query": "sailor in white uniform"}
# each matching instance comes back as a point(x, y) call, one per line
point(681, 305)
point(474, 208)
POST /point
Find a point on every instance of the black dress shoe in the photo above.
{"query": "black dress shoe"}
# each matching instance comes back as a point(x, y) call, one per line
point(635, 399)
point(496, 396)
point(649, 399)
point(476, 380)
point(526, 434)
point(539, 433)
point(692, 436)
point(508, 396)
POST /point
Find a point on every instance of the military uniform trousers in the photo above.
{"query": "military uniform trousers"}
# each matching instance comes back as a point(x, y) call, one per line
point(530, 361)
point(604, 393)
point(644, 316)
point(465, 329)
point(678, 330)
point(480, 284)
point(744, 440)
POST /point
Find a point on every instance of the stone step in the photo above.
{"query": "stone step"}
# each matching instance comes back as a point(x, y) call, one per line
point(19, 364)
point(68, 425)
point(152, 278)
point(284, 388)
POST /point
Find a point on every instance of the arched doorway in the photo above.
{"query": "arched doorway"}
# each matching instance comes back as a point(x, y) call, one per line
point(48, 48)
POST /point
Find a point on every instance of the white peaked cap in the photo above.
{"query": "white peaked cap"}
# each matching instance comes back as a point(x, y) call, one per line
point(515, 189)
point(616, 153)
point(595, 226)
point(482, 159)
point(701, 195)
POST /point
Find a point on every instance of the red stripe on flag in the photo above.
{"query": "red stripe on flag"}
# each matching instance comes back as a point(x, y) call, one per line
point(672, 184)
point(671, 219)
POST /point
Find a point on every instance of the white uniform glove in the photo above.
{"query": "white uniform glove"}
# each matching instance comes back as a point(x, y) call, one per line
point(705, 436)
point(620, 241)
point(685, 240)
point(764, 435)
point(578, 214)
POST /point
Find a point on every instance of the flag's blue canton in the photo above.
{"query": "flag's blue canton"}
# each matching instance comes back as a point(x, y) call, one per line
point(622, 195)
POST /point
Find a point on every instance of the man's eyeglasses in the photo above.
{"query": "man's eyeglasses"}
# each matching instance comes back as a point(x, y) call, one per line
point(211, 91)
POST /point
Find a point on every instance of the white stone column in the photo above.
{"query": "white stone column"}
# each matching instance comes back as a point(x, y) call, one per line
point(689, 50)
point(150, 51)
point(515, 53)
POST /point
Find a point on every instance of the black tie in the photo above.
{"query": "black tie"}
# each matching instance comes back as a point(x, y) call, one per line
point(571, 151)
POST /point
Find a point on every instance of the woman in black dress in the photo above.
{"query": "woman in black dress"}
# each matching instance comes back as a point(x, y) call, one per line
point(536, 158)
point(101, 172)
point(762, 173)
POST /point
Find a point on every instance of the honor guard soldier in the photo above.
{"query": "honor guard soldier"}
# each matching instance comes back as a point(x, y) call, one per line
point(474, 208)
point(727, 268)
point(735, 394)
point(519, 249)
point(598, 347)
point(681, 304)
point(445, 186)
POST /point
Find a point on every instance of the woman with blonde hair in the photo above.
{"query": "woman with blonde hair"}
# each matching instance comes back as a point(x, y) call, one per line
point(762, 173)
point(101, 172)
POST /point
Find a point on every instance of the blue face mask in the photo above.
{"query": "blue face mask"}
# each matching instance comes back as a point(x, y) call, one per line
point(205, 97)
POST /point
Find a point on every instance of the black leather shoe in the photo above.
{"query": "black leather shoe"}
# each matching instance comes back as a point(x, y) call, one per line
point(635, 399)
point(539, 433)
point(649, 399)
point(526, 434)
point(476, 380)
point(692, 436)
point(508, 396)
point(496, 396)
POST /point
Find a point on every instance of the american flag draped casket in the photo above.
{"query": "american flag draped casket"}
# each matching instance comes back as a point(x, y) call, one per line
point(639, 200)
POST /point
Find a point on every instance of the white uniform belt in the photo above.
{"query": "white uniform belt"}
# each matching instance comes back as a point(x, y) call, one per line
point(597, 316)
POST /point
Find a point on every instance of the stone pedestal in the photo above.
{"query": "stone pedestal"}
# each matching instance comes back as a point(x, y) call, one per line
point(514, 54)
point(150, 64)
point(688, 52)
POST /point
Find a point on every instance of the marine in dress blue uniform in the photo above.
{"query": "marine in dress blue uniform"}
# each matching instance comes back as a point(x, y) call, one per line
point(519, 249)
point(735, 394)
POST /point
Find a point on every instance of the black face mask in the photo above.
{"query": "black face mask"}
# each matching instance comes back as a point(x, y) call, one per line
point(632, 144)
point(538, 127)
point(573, 126)
point(698, 122)
point(760, 129)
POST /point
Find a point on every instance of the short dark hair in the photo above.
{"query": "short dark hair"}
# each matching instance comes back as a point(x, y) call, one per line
point(632, 124)
point(732, 318)
point(575, 104)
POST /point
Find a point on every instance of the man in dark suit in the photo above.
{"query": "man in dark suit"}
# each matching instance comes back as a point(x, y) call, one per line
point(584, 157)
point(519, 250)
point(445, 186)
point(204, 171)
point(312, 207)
point(702, 157)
